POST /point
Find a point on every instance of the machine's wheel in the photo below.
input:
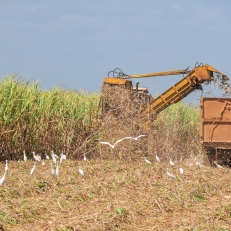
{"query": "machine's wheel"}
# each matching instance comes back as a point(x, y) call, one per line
point(225, 157)
point(208, 156)
point(215, 155)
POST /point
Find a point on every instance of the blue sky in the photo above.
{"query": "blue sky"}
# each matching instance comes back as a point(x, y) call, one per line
point(75, 43)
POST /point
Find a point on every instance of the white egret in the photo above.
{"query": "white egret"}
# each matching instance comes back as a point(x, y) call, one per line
point(47, 157)
point(33, 169)
point(198, 164)
point(171, 162)
point(43, 163)
point(157, 158)
point(3, 179)
point(6, 167)
point(53, 172)
point(111, 145)
point(24, 156)
point(147, 161)
point(170, 174)
point(62, 157)
point(81, 172)
point(54, 157)
point(36, 157)
point(134, 138)
point(84, 157)
point(128, 137)
point(57, 170)
point(181, 170)
point(219, 166)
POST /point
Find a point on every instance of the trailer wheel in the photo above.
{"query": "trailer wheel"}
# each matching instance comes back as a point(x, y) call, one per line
point(208, 156)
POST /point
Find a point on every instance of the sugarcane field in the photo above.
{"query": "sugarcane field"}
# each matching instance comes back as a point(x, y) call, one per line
point(115, 115)
point(63, 168)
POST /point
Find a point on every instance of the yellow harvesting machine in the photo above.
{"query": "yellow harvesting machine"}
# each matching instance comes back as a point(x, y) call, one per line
point(192, 81)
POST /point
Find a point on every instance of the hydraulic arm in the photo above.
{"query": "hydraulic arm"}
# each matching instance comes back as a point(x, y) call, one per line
point(181, 89)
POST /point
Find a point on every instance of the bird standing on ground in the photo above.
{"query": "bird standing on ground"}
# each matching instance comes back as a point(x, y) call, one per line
point(84, 157)
point(181, 170)
point(198, 164)
point(54, 172)
point(57, 170)
point(54, 157)
point(33, 169)
point(62, 157)
point(171, 162)
point(157, 158)
point(36, 157)
point(81, 172)
point(3, 179)
point(47, 157)
point(147, 161)
point(6, 167)
point(24, 156)
point(219, 166)
point(170, 174)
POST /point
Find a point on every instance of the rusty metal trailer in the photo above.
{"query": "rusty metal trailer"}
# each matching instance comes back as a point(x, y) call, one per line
point(215, 129)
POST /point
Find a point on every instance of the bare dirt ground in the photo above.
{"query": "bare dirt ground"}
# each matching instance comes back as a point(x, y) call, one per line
point(115, 194)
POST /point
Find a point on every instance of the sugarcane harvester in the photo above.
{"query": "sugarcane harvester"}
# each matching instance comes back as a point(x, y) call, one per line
point(152, 106)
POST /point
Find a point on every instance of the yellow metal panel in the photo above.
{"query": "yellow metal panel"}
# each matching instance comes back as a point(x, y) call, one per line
point(119, 81)
point(163, 73)
point(115, 81)
point(210, 68)
point(172, 95)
